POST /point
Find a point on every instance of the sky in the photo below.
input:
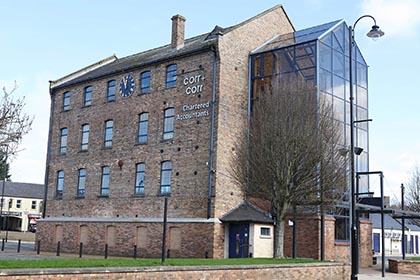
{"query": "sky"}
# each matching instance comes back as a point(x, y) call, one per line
point(44, 40)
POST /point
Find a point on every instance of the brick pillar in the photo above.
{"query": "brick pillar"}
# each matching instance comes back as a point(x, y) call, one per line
point(365, 243)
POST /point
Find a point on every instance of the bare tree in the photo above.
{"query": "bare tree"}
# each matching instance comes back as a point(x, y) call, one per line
point(14, 122)
point(291, 155)
point(412, 194)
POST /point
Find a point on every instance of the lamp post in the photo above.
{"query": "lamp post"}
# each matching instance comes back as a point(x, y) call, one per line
point(375, 32)
point(4, 158)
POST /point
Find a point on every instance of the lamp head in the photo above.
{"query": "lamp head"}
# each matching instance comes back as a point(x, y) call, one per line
point(358, 151)
point(375, 32)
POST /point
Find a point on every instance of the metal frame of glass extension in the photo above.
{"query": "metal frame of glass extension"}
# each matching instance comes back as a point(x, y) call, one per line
point(320, 54)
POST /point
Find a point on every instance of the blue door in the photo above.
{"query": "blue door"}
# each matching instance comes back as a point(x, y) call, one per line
point(238, 240)
point(412, 244)
point(417, 244)
point(376, 242)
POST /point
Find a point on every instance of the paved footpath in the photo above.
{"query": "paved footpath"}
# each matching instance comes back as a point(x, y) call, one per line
point(372, 273)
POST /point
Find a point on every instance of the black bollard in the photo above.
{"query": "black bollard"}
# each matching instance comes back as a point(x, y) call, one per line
point(18, 248)
point(135, 252)
point(38, 247)
point(2, 244)
point(58, 248)
point(106, 251)
point(81, 249)
point(206, 254)
point(168, 255)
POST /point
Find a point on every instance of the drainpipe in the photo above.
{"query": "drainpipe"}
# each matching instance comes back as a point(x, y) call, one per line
point(47, 166)
point(213, 101)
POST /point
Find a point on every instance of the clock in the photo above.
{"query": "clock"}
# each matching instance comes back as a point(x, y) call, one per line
point(127, 86)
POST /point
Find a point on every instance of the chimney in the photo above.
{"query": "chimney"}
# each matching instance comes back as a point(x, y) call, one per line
point(178, 28)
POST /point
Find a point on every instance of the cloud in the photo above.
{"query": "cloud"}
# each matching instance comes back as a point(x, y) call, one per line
point(396, 18)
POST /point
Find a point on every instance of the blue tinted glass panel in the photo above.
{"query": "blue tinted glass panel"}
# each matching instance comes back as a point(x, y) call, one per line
point(338, 63)
point(338, 86)
point(325, 80)
point(325, 57)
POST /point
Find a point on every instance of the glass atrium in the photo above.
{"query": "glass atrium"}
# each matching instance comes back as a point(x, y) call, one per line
point(320, 55)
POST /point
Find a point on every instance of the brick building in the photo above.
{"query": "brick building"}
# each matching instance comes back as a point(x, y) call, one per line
point(127, 132)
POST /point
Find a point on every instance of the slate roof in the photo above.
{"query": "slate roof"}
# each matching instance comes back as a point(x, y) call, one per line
point(246, 212)
point(23, 190)
point(195, 44)
point(390, 223)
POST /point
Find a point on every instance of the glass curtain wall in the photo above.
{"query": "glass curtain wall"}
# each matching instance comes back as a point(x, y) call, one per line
point(321, 56)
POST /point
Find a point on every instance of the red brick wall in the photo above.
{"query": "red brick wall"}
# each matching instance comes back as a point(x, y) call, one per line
point(195, 238)
point(404, 266)
point(331, 271)
point(309, 241)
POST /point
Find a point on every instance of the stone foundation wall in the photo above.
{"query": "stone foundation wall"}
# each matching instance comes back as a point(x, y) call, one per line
point(331, 271)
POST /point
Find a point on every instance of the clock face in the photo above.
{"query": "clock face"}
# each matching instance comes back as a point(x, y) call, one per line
point(127, 85)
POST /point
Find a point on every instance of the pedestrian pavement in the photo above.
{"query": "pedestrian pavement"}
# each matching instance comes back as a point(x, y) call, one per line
point(371, 273)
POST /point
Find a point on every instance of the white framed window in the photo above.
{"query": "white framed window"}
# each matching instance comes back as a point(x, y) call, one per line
point(265, 232)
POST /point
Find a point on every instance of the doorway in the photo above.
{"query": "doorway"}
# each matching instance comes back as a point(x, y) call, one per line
point(239, 241)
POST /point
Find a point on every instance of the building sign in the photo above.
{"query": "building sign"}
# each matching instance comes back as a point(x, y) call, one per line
point(9, 213)
point(191, 111)
point(193, 84)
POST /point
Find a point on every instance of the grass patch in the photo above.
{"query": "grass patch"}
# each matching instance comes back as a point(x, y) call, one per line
point(124, 262)
point(414, 259)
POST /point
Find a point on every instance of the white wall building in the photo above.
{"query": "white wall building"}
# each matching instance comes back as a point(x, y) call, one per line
point(17, 202)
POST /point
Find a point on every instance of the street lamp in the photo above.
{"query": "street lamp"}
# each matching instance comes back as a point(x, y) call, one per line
point(4, 158)
point(374, 33)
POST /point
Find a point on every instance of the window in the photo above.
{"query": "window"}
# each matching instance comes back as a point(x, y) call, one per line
point(168, 125)
point(60, 185)
point(66, 101)
point(33, 205)
point(171, 76)
point(81, 185)
point(63, 140)
point(85, 137)
point(341, 230)
point(143, 125)
point(140, 172)
point(105, 181)
point(165, 177)
point(265, 231)
point(18, 203)
point(110, 95)
point(109, 124)
point(145, 82)
point(88, 96)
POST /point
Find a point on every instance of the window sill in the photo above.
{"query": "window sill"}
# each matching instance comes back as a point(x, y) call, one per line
point(62, 111)
point(80, 197)
point(164, 194)
point(138, 195)
point(140, 144)
point(86, 106)
point(342, 243)
point(106, 148)
point(167, 141)
point(103, 196)
point(265, 236)
point(83, 151)
point(108, 101)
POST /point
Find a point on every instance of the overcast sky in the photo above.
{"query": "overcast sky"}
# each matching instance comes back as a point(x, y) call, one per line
point(46, 39)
